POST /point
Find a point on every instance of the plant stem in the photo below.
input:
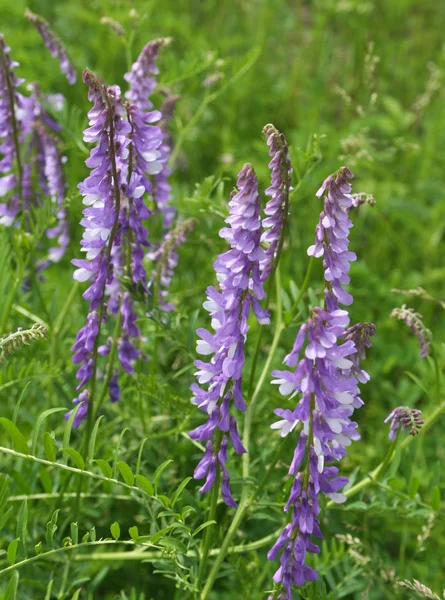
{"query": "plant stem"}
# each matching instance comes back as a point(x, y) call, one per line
point(209, 531)
point(305, 285)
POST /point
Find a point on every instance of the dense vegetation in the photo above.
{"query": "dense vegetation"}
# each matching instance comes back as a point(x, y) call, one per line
point(349, 82)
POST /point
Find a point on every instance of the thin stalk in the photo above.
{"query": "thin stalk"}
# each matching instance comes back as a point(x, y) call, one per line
point(209, 534)
point(436, 372)
point(305, 285)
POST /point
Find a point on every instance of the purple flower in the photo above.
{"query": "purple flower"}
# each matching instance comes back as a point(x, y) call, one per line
point(114, 239)
point(278, 206)
point(324, 382)
point(53, 44)
point(414, 321)
point(240, 288)
point(405, 418)
point(141, 80)
point(165, 258)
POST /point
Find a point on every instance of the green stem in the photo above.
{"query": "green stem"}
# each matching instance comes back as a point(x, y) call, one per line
point(209, 533)
point(436, 372)
point(10, 300)
point(305, 285)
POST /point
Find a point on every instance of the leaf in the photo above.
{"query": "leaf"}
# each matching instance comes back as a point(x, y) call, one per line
point(12, 587)
point(145, 485)
point(49, 447)
point(418, 382)
point(179, 490)
point(38, 548)
point(158, 472)
point(138, 463)
point(435, 498)
point(69, 426)
point(126, 473)
point(104, 467)
point(203, 526)
point(74, 533)
point(22, 525)
point(116, 454)
point(413, 487)
point(42, 417)
point(51, 528)
point(77, 458)
point(76, 594)
point(93, 534)
point(16, 436)
point(134, 532)
point(174, 544)
point(115, 530)
point(19, 402)
point(92, 442)
point(159, 534)
point(11, 552)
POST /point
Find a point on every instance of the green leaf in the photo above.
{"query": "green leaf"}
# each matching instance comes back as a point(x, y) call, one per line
point(116, 454)
point(76, 594)
point(75, 533)
point(435, 498)
point(92, 442)
point(38, 548)
point(203, 526)
point(12, 587)
point(134, 532)
point(104, 467)
point(49, 447)
point(138, 463)
point(76, 457)
point(158, 472)
point(93, 534)
point(413, 487)
point(19, 402)
point(145, 485)
point(115, 530)
point(51, 528)
point(22, 524)
point(12, 551)
point(418, 382)
point(16, 436)
point(126, 473)
point(42, 417)
point(159, 535)
point(86, 537)
point(69, 426)
point(180, 489)
point(174, 544)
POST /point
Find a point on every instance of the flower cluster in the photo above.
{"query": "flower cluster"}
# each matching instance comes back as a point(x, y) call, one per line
point(414, 321)
point(165, 258)
point(405, 418)
point(53, 44)
point(278, 206)
point(240, 289)
point(126, 150)
point(30, 151)
point(325, 381)
point(21, 337)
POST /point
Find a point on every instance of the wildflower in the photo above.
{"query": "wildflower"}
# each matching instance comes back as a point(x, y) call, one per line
point(414, 321)
point(21, 337)
point(325, 383)
point(362, 198)
point(277, 207)
point(165, 258)
point(113, 25)
point(114, 236)
point(405, 418)
point(53, 44)
point(240, 289)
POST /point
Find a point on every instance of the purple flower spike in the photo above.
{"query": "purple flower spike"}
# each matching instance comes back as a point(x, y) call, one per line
point(326, 356)
point(405, 418)
point(53, 44)
point(414, 321)
point(278, 206)
point(114, 239)
point(240, 288)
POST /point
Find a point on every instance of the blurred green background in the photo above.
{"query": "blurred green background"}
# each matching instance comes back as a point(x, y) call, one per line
point(350, 82)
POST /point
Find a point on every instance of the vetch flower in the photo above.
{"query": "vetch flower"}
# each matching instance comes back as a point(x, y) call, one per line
point(326, 356)
point(414, 321)
point(277, 207)
point(405, 418)
point(240, 289)
point(53, 44)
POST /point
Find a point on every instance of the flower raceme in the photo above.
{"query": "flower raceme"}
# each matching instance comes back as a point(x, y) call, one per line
point(240, 289)
point(325, 382)
point(124, 155)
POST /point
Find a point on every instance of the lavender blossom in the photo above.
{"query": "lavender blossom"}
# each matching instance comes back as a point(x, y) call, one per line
point(141, 80)
point(53, 44)
point(240, 289)
point(414, 321)
point(278, 206)
point(10, 101)
point(165, 258)
point(325, 382)
point(114, 238)
point(405, 418)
